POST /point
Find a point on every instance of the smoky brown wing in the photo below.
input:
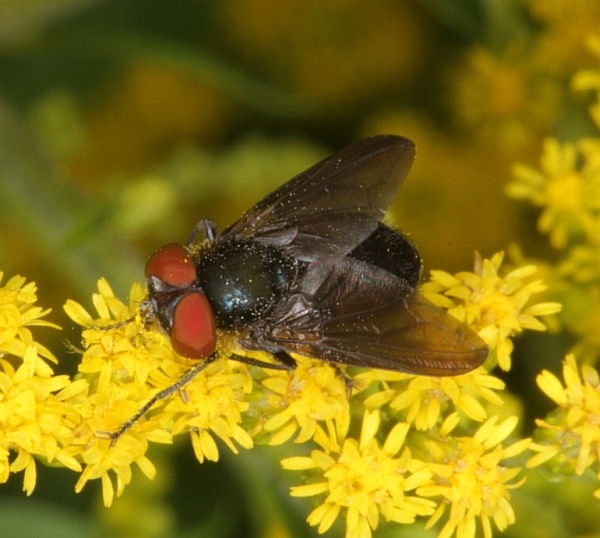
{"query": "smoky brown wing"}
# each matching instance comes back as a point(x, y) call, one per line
point(409, 335)
point(361, 315)
point(332, 207)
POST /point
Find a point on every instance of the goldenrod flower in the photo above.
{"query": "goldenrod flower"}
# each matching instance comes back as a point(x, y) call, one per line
point(423, 400)
point(126, 364)
point(497, 307)
point(17, 313)
point(35, 420)
point(563, 26)
point(363, 479)
point(505, 98)
point(471, 476)
point(314, 392)
point(569, 438)
point(567, 188)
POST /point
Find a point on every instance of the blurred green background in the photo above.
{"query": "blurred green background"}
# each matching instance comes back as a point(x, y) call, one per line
point(122, 123)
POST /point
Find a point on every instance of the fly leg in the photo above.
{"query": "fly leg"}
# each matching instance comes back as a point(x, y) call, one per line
point(285, 361)
point(163, 394)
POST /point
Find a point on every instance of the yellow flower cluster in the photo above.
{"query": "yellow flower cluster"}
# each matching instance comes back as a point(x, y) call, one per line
point(363, 477)
point(126, 364)
point(465, 476)
point(510, 91)
point(471, 476)
point(424, 401)
point(36, 420)
point(568, 440)
point(417, 455)
point(498, 307)
point(506, 97)
point(313, 393)
point(566, 188)
point(407, 475)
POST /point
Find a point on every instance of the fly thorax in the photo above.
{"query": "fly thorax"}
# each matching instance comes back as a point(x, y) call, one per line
point(244, 280)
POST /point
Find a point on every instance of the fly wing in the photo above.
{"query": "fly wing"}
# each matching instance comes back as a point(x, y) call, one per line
point(333, 206)
point(354, 313)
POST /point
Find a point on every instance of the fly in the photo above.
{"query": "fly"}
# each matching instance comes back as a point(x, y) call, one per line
point(311, 269)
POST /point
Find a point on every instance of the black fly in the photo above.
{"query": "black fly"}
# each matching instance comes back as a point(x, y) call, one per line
point(311, 269)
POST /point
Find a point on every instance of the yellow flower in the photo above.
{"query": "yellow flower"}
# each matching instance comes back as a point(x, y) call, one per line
point(497, 307)
point(569, 438)
point(472, 479)
point(507, 99)
point(35, 420)
point(363, 479)
point(100, 456)
point(126, 364)
point(213, 406)
point(564, 24)
point(314, 392)
point(17, 312)
point(567, 188)
point(423, 401)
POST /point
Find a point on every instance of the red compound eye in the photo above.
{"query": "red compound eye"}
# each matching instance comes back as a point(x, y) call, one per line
point(172, 265)
point(193, 334)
